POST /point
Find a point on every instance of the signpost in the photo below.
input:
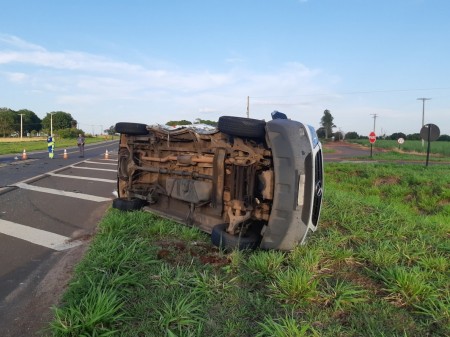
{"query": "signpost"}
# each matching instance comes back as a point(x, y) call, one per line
point(400, 141)
point(429, 132)
point(372, 140)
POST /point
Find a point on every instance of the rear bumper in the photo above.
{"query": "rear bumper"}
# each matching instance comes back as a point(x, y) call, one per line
point(298, 181)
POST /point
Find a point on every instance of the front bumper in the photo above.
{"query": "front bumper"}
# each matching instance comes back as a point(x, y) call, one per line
point(298, 181)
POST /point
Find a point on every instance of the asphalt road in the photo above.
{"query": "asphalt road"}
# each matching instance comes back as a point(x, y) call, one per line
point(49, 209)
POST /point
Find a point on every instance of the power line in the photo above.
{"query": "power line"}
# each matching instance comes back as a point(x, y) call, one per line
point(354, 92)
point(374, 119)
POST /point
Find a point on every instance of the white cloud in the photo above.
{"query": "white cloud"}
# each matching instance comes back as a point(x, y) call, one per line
point(15, 42)
point(84, 82)
point(16, 77)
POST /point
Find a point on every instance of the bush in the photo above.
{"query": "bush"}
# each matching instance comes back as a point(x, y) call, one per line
point(414, 136)
point(444, 138)
point(397, 135)
point(69, 133)
point(351, 135)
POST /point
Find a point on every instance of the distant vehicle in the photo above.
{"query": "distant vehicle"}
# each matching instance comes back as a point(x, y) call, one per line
point(14, 134)
point(249, 183)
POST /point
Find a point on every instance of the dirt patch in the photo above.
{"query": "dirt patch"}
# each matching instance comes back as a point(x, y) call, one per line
point(387, 181)
point(178, 252)
point(444, 202)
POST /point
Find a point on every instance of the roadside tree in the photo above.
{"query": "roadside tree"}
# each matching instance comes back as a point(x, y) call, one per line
point(327, 123)
point(111, 130)
point(30, 121)
point(444, 138)
point(397, 135)
point(413, 136)
point(60, 120)
point(7, 117)
point(351, 135)
point(338, 136)
point(321, 133)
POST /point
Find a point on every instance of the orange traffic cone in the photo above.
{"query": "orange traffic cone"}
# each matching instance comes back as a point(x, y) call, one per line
point(24, 155)
point(106, 154)
point(65, 154)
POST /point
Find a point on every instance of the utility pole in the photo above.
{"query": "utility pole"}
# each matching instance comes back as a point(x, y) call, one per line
point(374, 119)
point(51, 125)
point(21, 125)
point(248, 106)
point(423, 99)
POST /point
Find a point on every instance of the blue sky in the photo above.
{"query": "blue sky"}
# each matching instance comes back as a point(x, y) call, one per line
point(109, 61)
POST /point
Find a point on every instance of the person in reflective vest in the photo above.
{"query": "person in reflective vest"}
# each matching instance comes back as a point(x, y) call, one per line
point(50, 146)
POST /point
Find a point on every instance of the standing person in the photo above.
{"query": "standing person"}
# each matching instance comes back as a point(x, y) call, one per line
point(50, 146)
point(80, 143)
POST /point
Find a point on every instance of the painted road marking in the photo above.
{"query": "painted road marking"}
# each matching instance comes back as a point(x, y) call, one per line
point(37, 236)
point(91, 168)
point(82, 178)
point(60, 192)
point(99, 163)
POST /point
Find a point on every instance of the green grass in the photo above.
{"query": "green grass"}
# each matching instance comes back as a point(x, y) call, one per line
point(441, 148)
point(17, 147)
point(378, 265)
point(405, 157)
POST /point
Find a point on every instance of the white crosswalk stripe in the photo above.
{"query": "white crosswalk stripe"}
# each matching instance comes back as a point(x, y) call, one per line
point(37, 236)
point(82, 178)
point(63, 193)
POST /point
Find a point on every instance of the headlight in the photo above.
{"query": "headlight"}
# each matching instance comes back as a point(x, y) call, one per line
point(314, 138)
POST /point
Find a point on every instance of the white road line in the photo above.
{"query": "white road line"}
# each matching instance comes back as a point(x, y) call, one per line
point(92, 168)
point(82, 178)
point(60, 192)
point(99, 163)
point(37, 236)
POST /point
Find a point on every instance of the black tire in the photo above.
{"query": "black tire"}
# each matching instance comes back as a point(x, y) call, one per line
point(131, 128)
point(242, 127)
point(226, 241)
point(125, 204)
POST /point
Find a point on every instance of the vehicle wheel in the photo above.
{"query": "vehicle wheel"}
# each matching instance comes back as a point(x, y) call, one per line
point(242, 127)
point(224, 240)
point(131, 128)
point(125, 204)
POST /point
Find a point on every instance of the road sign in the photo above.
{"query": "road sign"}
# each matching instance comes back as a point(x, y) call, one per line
point(372, 137)
point(430, 132)
point(400, 140)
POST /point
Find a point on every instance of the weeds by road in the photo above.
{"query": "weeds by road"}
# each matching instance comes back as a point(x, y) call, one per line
point(377, 266)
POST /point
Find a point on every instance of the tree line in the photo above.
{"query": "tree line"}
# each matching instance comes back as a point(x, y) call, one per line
point(394, 136)
point(327, 125)
point(65, 126)
point(12, 123)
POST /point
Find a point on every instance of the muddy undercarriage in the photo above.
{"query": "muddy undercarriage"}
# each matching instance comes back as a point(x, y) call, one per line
point(212, 179)
point(198, 179)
